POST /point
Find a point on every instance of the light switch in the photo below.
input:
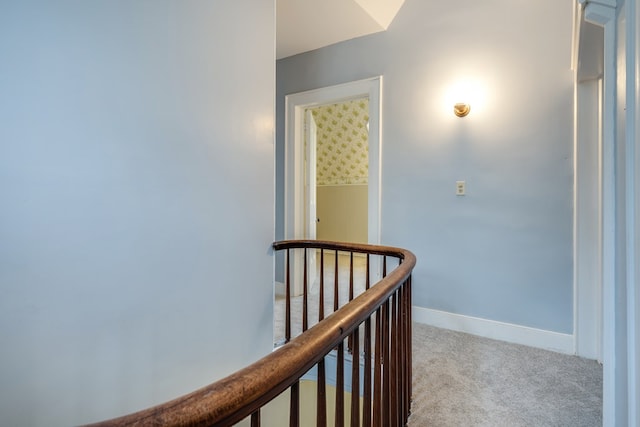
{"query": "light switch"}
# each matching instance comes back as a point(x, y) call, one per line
point(460, 188)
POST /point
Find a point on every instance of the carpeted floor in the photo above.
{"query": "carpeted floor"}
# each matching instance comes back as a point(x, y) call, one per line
point(464, 380)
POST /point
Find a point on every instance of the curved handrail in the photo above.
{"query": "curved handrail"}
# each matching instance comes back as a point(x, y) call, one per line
point(238, 395)
point(346, 247)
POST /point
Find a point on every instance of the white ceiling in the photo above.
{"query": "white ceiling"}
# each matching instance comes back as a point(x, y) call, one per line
point(303, 25)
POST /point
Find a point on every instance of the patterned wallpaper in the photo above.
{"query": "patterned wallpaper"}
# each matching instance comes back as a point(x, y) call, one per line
point(342, 137)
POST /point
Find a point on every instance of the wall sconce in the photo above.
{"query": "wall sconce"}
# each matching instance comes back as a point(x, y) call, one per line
point(461, 94)
point(461, 109)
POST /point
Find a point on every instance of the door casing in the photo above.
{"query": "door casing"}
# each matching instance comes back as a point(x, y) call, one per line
point(295, 219)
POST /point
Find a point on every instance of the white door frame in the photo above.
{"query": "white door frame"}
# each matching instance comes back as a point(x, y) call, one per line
point(588, 320)
point(311, 130)
point(605, 16)
point(295, 105)
point(310, 175)
point(588, 64)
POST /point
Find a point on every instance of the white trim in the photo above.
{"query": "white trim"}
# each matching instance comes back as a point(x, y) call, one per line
point(295, 104)
point(575, 36)
point(605, 16)
point(632, 186)
point(587, 220)
point(375, 160)
point(635, 337)
point(532, 337)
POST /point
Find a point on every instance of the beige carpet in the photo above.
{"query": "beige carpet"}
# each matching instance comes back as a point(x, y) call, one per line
point(464, 380)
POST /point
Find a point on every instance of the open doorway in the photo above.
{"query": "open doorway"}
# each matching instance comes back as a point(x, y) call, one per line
point(300, 220)
point(338, 138)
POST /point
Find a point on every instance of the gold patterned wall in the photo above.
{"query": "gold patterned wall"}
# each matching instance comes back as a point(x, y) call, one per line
point(342, 138)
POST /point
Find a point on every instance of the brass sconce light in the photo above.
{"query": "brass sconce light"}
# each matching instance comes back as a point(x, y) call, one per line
point(461, 109)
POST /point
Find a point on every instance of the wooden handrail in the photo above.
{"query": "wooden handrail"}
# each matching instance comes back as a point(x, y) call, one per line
point(346, 247)
point(242, 393)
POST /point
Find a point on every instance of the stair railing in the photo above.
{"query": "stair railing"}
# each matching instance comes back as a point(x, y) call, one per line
point(382, 314)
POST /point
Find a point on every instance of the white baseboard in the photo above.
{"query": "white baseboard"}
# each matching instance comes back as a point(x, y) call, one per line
point(539, 338)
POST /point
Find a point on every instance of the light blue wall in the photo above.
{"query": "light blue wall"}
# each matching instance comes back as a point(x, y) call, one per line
point(623, 369)
point(136, 185)
point(504, 251)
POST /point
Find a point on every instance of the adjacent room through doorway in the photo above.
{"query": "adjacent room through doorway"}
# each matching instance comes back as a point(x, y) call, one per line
point(341, 159)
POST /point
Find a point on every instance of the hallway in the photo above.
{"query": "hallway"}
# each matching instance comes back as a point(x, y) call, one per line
point(465, 380)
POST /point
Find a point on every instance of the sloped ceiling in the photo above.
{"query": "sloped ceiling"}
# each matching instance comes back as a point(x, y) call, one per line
point(304, 25)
